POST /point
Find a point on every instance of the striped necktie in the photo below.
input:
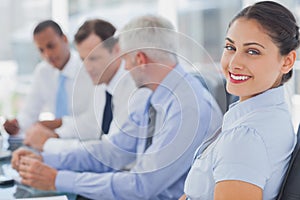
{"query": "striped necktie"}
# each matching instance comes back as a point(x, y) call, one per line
point(61, 108)
point(151, 127)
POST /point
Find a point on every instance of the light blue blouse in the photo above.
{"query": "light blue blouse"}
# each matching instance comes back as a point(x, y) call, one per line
point(255, 146)
point(186, 114)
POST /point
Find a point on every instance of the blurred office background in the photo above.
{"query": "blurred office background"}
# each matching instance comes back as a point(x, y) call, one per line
point(203, 21)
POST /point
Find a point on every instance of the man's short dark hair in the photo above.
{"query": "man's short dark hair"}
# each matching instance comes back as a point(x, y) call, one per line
point(103, 29)
point(45, 24)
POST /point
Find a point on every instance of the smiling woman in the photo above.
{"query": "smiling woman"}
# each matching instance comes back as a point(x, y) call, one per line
point(252, 62)
point(249, 157)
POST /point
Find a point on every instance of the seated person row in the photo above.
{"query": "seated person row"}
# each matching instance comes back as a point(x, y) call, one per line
point(160, 135)
point(244, 189)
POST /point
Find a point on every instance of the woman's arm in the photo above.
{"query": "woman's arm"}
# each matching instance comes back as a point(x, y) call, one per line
point(236, 190)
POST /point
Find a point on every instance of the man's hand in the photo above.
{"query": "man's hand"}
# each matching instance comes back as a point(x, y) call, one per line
point(37, 135)
point(11, 126)
point(52, 124)
point(21, 152)
point(183, 197)
point(36, 174)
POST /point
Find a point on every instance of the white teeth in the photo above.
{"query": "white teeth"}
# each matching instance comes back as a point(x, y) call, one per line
point(239, 78)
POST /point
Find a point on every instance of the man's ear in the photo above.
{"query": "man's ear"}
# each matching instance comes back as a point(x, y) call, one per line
point(116, 49)
point(141, 58)
point(289, 61)
point(65, 39)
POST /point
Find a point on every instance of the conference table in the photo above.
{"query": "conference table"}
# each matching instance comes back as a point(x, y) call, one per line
point(16, 190)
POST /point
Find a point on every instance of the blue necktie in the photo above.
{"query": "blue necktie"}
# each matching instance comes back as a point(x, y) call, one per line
point(107, 114)
point(61, 108)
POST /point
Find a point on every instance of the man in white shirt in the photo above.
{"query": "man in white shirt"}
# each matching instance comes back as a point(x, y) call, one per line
point(59, 64)
point(110, 78)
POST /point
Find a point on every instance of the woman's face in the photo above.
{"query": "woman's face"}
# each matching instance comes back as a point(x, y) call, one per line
point(251, 62)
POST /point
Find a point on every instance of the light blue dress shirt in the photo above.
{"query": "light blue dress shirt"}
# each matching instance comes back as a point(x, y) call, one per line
point(186, 114)
point(255, 146)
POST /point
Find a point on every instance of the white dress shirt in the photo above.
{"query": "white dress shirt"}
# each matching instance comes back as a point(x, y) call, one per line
point(42, 96)
point(84, 128)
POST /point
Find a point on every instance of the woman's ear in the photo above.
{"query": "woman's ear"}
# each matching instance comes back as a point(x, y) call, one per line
point(289, 61)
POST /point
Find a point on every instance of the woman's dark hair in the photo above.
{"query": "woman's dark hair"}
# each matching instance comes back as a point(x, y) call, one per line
point(103, 29)
point(45, 24)
point(279, 23)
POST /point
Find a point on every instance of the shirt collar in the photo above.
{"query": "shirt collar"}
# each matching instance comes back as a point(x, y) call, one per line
point(70, 70)
point(167, 86)
point(238, 110)
point(121, 72)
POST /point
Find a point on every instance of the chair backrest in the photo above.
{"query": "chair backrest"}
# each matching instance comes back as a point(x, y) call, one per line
point(290, 188)
point(216, 85)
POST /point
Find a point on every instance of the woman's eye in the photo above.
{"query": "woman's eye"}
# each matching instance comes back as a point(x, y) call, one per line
point(229, 48)
point(253, 52)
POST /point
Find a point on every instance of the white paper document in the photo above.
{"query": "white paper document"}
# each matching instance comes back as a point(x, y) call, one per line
point(48, 198)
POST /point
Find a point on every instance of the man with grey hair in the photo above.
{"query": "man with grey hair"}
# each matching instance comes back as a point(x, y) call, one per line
point(161, 136)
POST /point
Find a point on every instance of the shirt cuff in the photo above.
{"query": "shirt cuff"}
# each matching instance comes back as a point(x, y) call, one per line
point(51, 159)
point(64, 181)
point(58, 145)
point(240, 173)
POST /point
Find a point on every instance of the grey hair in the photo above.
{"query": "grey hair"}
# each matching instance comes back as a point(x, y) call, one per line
point(153, 35)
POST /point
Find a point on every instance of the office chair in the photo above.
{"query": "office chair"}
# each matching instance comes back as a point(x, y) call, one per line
point(290, 188)
point(216, 85)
